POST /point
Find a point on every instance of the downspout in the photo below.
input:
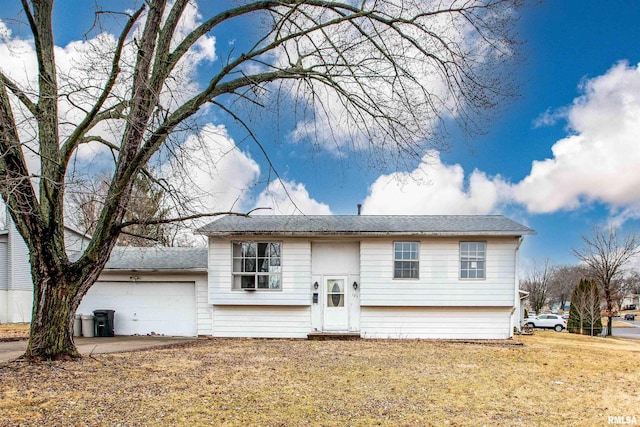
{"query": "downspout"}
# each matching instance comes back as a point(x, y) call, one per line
point(516, 295)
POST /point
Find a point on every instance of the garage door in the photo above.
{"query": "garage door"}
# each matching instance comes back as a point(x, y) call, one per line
point(166, 308)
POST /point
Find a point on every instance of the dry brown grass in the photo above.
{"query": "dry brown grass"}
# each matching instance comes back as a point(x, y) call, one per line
point(554, 379)
point(14, 331)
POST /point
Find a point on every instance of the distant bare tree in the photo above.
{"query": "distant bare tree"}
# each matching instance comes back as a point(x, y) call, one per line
point(145, 203)
point(537, 283)
point(564, 279)
point(606, 254)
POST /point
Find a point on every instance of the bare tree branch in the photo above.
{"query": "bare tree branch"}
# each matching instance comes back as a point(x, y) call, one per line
point(19, 93)
point(92, 116)
point(185, 218)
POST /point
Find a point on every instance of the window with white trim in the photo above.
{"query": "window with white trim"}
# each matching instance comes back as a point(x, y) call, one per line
point(473, 260)
point(405, 260)
point(257, 265)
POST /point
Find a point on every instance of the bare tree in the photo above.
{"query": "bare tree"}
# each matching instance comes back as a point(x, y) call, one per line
point(145, 203)
point(564, 279)
point(384, 75)
point(607, 255)
point(537, 283)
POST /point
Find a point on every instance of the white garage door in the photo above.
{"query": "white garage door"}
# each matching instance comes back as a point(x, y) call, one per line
point(141, 308)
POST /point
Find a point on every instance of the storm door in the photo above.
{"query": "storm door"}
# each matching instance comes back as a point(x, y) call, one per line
point(336, 308)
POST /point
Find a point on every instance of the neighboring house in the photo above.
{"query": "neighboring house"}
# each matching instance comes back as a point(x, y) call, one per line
point(16, 286)
point(630, 301)
point(375, 276)
point(289, 276)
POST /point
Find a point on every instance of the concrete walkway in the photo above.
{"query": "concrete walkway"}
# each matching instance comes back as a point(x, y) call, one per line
point(118, 344)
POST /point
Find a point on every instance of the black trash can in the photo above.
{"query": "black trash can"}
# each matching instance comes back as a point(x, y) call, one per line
point(104, 323)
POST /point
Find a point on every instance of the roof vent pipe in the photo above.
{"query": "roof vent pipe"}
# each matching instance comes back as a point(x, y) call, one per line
point(359, 208)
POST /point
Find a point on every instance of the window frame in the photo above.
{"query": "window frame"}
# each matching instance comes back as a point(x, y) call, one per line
point(240, 261)
point(415, 260)
point(472, 257)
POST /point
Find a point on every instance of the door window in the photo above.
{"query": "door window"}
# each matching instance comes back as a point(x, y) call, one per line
point(335, 293)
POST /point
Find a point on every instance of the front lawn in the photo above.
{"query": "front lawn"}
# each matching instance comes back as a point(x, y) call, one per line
point(14, 331)
point(553, 379)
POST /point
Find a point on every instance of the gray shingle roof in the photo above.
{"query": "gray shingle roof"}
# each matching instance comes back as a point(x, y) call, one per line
point(161, 258)
point(368, 225)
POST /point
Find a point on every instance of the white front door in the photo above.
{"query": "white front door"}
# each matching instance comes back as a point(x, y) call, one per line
point(336, 308)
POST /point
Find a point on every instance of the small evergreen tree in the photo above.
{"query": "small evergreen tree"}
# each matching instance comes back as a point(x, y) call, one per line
point(584, 315)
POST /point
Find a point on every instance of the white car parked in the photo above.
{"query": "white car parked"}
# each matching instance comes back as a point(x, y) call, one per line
point(548, 321)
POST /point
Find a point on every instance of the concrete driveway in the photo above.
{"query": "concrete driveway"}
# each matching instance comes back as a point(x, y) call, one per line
point(118, 344)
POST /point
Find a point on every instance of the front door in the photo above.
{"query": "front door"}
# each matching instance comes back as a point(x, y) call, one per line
point(336, 309)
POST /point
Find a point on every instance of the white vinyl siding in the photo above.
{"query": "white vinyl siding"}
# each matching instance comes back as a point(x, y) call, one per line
point(296, 275)
point(436, 322)
point(439, 283)
point(18, 260)
point(204, 310)
point(4, 271)
point(261, 322)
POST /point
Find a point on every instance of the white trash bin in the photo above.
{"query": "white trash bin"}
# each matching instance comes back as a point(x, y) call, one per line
point(77, 326)
point(88, 326)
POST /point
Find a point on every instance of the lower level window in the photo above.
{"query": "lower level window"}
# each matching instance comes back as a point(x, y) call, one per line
point(256, 265)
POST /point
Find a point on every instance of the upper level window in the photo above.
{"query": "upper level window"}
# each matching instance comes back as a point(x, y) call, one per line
point(256, 265)
point(405, 260)
point(473, 260)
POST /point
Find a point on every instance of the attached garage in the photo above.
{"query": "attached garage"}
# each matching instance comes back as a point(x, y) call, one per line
point(153, 291)
point(145, 307)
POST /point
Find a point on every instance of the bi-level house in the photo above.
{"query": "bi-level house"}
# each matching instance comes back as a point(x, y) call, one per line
point(375, 276)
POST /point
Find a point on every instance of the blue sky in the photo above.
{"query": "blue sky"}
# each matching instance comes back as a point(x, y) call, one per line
point(579, 82)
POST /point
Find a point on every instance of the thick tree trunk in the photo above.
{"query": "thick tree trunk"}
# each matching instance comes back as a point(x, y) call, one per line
point(58, 289)
point(51, 335)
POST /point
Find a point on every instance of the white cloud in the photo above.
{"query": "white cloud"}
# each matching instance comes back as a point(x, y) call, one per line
point(211, 174)
point(289, 198)
point(550, 117)
point(434, 188)
point(600, 161)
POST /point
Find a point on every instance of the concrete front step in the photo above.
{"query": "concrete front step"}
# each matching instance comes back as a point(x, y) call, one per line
point(324, 336)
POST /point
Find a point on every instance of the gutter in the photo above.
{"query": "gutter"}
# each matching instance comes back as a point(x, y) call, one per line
point(155, 270)
point(367, 233)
